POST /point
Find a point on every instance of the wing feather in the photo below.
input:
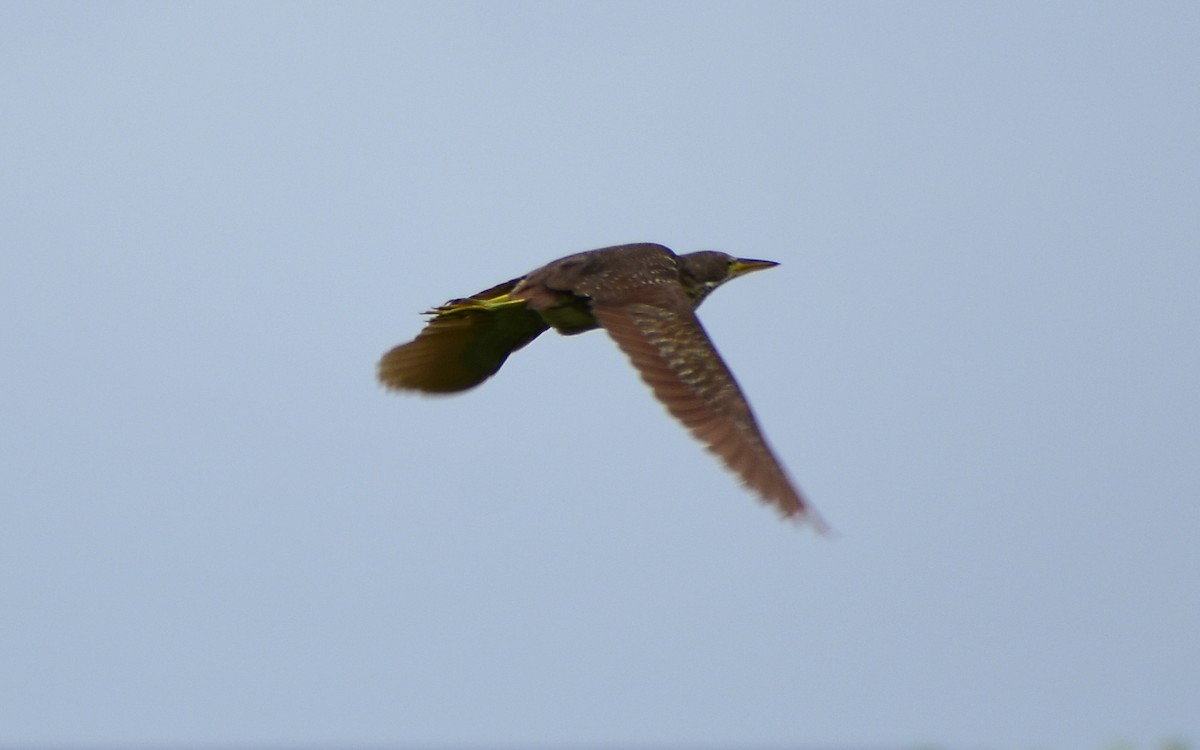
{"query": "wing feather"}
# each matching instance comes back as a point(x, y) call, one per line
point(463, 345)
point(666, 343)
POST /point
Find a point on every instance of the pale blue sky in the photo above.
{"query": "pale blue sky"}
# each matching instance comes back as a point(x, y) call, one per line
point(978, 356)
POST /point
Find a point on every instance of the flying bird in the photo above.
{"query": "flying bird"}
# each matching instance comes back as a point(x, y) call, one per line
point(645, 297)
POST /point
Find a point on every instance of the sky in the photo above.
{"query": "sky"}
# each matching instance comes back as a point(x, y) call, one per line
point(978, 356)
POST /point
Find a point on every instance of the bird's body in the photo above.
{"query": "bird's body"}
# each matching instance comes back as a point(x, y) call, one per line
point(645, 297)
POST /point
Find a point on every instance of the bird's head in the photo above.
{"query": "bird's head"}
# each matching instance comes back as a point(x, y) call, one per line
point(706, 270)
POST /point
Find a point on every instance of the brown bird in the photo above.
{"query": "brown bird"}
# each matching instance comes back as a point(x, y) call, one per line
point(645, 297)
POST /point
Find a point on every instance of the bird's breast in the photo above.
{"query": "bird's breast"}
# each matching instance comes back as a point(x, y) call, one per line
point(570, 318)
point(564, 311)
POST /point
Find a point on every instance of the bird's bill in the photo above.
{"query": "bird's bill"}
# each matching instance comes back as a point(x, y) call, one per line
point(746, 265)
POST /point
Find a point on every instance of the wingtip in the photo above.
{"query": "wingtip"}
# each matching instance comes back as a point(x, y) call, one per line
point(809, 517)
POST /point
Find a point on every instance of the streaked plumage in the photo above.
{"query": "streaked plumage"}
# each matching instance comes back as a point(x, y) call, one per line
point(645, 297)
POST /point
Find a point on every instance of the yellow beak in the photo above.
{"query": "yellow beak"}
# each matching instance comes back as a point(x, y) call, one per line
point(746, 265)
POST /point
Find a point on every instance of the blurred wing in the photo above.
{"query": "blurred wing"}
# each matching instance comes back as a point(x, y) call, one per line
point(465, 344)
point(666, 343)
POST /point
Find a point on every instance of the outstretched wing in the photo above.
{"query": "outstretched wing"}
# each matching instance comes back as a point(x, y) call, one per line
point(464, 344)
point(666, 343)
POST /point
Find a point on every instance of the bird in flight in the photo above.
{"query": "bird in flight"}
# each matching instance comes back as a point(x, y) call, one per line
point(645, 297)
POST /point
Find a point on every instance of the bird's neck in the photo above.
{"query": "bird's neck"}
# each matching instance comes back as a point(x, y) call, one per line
point(698, 291)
